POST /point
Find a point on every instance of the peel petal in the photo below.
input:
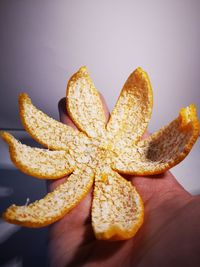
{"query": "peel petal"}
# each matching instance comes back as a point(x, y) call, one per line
point(117, 209)
point(41, 163)
point(45, 130)
point(163, 149)
point(131, 114)
point(84, 104)
point(55, 204)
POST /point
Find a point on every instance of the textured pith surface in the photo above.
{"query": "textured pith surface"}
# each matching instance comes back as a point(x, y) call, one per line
point(98, 151)
point(41, 163)
point(84, 104)
point(55, 204)
point(45, 130)
point(117, 209)
point(163, 149)
point(131, 114)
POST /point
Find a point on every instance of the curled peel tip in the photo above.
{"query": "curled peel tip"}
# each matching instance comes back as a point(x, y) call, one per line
point(188, 116)
point(83, 69)
point(24, 97)
point(2, 134)
point(140, 69)
point(7, 137)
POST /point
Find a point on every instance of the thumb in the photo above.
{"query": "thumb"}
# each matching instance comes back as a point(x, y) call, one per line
point(64, 117)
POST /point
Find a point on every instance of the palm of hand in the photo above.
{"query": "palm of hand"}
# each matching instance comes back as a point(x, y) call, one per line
point(169, 236)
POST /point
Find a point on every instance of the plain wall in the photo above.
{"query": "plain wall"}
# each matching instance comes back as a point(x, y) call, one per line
point(42, 43)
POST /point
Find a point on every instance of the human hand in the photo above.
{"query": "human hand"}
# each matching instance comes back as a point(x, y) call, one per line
point(170, 235)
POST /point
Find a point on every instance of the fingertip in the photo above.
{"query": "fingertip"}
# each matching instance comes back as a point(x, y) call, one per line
point(105, 107)
point(146, 135)
point(62, 106)
point(62, 109)
point(64, 117)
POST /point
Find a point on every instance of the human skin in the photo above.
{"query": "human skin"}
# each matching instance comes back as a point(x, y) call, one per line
point(169, 236)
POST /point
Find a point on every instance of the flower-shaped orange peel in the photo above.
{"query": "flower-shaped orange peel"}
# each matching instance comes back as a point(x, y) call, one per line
point(99, 153)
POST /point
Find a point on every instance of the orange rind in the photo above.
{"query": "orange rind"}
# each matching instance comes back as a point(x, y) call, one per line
point(117, 208)
point(48, 132)
point(41, 163)
point(84, 104)
point(163, 149)
point(98, 152)
point(55, 204)
point(130, 117)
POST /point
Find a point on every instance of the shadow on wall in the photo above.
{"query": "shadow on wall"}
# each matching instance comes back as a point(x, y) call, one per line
point(29, 246)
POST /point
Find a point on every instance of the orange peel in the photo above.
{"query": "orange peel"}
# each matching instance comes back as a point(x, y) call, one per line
point(45, 130)
point(130, 117)
point(122, 219)
point(41, 163)
point(98, 152)
point(83, 104)
point(64, 198)
point(163, 149)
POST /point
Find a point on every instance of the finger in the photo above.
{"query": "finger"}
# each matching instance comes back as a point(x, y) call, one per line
point(105, 107)
point(158, 186)
point(145, 135)
point(64, 118)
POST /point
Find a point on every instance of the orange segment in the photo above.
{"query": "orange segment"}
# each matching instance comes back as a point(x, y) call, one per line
point(45, 130)
point(84, 104)
point(41, 163)
point(163, 149)
point(132, 112)
point(117, 209)
point(55, 204)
